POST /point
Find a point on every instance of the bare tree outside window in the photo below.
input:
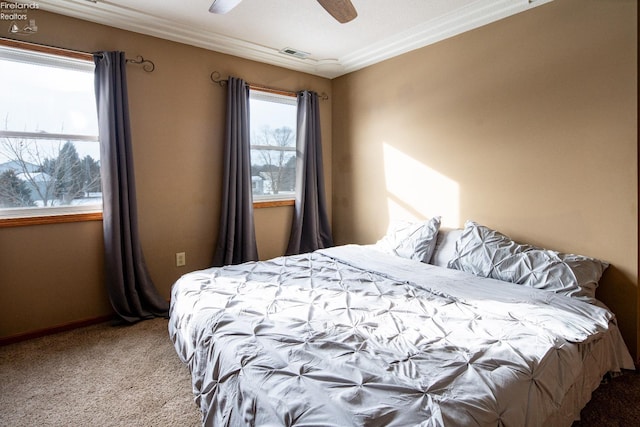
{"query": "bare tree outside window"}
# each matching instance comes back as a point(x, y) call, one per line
point(274, 159)
point(51, 172)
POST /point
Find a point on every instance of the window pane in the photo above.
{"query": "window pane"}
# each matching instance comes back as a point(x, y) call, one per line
point(49, 99)
point(273, 172)
point(45, 173)
point(273, 146)
point(49, 148)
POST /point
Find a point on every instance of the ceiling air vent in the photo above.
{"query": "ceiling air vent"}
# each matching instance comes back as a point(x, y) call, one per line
point(293, 52)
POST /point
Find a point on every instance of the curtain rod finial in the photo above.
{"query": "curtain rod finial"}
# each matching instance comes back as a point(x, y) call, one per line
point(216, 78)
point(148, 65)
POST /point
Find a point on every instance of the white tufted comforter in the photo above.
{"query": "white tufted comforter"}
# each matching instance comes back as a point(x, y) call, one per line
point(349, 336)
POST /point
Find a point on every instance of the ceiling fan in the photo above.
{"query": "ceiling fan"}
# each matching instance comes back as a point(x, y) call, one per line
point(342, 10)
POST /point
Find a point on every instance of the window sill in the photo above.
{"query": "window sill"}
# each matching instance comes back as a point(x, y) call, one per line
point(273, 203)
point(50, 219)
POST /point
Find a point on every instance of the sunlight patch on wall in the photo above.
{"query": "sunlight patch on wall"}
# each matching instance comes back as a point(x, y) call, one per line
point(416, 192)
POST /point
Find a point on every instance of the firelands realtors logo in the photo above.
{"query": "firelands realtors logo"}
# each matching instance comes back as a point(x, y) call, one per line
point(17, 16)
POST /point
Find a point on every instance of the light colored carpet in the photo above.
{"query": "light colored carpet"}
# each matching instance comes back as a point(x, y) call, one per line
point(130, 376)
point(101, 375)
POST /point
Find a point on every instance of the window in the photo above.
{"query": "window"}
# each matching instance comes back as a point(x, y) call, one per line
point(273, 145)
point(49, 147)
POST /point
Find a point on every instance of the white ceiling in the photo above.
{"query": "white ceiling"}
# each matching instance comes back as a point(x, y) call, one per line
point(260, 29)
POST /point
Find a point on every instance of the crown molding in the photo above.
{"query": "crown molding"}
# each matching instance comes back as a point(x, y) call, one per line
point(479, 13)
point(465, 19)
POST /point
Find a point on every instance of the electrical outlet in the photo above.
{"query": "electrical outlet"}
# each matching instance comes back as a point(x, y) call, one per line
point(181, 259)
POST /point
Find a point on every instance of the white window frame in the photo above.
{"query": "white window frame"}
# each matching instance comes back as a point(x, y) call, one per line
point(282, 97)
point(45, 55)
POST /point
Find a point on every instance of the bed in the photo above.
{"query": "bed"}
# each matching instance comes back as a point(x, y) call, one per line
point(413, 330)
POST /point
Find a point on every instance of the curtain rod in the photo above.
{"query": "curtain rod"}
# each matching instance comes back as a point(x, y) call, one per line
point(216, 78)
point(147, 65)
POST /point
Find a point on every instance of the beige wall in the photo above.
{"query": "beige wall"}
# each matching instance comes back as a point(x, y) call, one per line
point(53, 274)
point(527, 125)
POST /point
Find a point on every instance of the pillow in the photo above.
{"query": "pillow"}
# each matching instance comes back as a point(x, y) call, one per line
point(445, 246)
point(488, 253)
point(412, 240)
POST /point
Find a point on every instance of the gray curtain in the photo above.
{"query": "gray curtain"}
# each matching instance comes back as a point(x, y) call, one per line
point(131, 291)
point(310, 229)
point(237, 237)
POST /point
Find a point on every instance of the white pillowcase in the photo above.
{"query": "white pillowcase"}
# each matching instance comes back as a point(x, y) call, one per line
point(412, 240)
point(445, 247)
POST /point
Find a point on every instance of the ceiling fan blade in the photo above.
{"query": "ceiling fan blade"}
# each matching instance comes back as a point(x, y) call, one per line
point(342, 10)
point(223, 6)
